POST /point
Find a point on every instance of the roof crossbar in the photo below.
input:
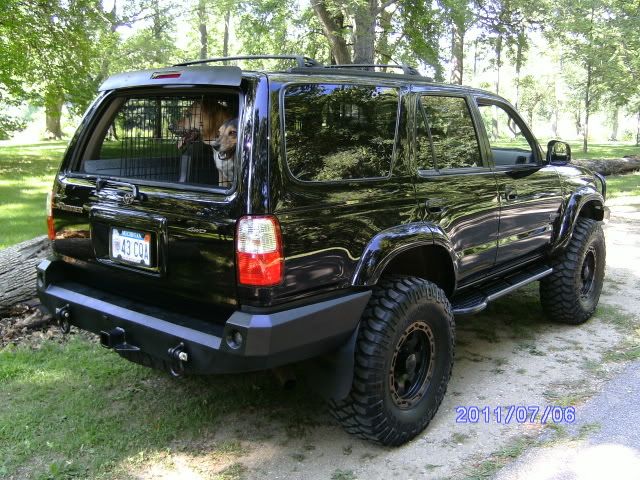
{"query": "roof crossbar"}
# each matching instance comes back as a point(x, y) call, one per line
point(301, 60)
point(406, 69)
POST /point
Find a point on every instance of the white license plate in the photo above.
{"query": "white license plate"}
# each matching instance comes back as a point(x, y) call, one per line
point(131, 246)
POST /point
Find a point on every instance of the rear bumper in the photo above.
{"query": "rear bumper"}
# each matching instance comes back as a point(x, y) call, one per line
point(268, 340)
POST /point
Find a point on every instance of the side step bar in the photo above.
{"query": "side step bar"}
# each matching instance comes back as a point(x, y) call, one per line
point(476, 299)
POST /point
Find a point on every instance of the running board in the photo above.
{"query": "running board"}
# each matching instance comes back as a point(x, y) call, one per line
point(476, 300)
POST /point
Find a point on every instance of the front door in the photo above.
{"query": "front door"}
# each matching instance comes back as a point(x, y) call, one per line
point(530, 189)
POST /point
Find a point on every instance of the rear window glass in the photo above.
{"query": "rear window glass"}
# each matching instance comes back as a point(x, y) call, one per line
point(339, 132)
point(188, 139)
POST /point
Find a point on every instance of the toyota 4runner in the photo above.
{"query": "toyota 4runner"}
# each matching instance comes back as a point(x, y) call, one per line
point(208, 219)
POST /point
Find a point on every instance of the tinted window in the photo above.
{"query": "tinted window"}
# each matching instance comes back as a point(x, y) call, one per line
point(452, 132)
point(509, 146)
point(338, 132)
point(173, 138)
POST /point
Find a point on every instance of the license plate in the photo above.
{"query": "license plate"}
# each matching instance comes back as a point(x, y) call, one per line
point(131, 246)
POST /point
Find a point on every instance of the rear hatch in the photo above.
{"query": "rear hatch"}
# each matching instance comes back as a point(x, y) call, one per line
point(146, 202)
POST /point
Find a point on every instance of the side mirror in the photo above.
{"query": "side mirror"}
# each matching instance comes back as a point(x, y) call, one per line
point(558, 153)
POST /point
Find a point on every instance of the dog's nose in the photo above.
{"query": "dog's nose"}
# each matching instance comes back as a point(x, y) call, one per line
point(216, 145)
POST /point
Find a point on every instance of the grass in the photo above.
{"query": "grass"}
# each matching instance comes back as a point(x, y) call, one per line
point(623, 185)
point(74, 409)
point(26, 175)
point(603, 150)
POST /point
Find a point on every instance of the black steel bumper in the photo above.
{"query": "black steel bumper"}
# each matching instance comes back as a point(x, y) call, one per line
point(244, 342)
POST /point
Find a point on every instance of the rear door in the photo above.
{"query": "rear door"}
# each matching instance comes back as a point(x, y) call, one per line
point(141, 208)
point(456, 188)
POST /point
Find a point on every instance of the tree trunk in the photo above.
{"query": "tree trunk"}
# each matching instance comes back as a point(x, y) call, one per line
point(225, 43)
point(18, 270)
point(457, 51)
point(331, 29)
point(364, 32)
point(475, 58)
point(519, 61)
point(587, 111)
point(204, 40)
point(638, 131)
point(53, 113)
point(498, 62)
point(615, 123)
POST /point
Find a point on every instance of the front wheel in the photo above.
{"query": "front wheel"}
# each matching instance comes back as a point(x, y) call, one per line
point(404, 355)
point(571, 293)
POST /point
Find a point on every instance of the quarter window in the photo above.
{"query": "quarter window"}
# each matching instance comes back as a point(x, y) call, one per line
point(452, 133)
point(339, 132)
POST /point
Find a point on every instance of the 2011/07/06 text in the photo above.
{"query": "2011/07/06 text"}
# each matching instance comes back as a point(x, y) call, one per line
point(505, 414)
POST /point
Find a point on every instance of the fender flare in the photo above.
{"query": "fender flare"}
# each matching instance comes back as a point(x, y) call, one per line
point(387, 244)
point(571, 212)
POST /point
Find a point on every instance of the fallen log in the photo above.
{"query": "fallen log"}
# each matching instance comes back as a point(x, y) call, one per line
point(18, 270)
point(610, 166)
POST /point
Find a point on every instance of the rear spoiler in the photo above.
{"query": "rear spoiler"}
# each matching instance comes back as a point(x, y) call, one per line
point(178, 75)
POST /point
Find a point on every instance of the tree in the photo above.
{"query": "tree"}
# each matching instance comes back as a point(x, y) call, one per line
point(585, 34)
point(407, 31)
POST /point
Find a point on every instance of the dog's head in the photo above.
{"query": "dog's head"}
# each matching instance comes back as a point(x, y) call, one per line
point(227, 139)
point(199, 122)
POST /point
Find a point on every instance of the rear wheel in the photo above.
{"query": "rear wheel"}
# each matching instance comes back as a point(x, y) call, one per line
point(571, 293)
point(404, 355)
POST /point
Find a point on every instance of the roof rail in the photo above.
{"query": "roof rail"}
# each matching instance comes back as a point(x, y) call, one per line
point(302, 61)
point(406, 69)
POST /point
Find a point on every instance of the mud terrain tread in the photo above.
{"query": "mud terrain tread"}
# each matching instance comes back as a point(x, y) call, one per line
point(558, 291)
point(362, 413)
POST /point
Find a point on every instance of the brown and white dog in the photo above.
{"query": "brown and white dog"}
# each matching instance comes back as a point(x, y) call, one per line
point(200, 122)
point(225, 148)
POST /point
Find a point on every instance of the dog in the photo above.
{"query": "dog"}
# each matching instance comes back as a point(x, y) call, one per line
point(200, 122)
point(224, 147)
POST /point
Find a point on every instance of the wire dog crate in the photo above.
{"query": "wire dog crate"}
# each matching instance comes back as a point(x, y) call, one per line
point(168, 138)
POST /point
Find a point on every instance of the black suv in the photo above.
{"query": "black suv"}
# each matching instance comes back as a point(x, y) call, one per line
point(208, 219)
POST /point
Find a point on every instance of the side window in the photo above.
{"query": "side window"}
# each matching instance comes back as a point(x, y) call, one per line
point(453, 135)
point(339, 132)
point(509, 146)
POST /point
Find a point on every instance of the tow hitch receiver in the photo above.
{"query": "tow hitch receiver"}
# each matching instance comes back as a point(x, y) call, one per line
point(116, 339)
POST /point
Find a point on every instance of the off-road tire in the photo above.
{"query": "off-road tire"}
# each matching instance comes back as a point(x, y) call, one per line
point(398, 305)
point(563, 294)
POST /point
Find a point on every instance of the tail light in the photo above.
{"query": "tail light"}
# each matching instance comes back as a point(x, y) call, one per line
point(259, 251)
point(51, 229)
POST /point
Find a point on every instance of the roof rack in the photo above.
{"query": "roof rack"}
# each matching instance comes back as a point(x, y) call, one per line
point(302, 61)
point(406, 69)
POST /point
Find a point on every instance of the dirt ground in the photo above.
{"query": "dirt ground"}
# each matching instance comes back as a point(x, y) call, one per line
point(507, 356)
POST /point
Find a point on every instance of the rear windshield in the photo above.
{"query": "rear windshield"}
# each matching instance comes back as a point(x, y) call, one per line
point(187, 139)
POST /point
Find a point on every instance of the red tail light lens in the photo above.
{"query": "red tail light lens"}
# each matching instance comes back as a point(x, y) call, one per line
point(51, 229)
point(259, 251)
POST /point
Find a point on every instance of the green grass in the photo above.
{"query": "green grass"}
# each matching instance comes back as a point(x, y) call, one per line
point(623, 185)
point(603, 150)
point(26, 175)
point(77, 410)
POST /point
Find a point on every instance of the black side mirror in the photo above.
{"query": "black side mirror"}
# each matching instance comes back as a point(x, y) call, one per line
point(558, 152)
